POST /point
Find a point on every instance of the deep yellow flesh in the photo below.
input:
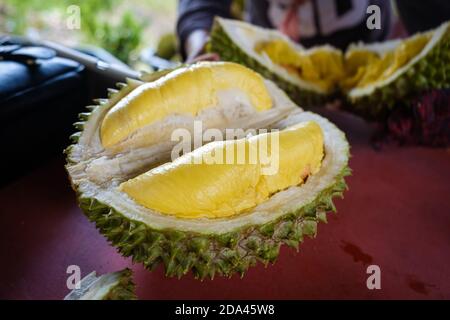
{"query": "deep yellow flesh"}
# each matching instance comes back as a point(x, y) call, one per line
point(321, 66)
point(194, 186)
point(376, 68)
point(185, 91)
point(328, 69)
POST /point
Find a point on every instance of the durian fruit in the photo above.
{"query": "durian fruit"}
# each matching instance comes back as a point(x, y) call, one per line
point(121, 134)
point(111, 286)
point(372, 78)
point(274, 56)
point(209, 209)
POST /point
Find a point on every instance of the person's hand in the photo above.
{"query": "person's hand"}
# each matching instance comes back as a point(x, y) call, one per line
point(195, 47)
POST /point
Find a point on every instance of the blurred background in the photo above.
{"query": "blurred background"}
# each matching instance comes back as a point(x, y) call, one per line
point(123, 28)
point(133, 31)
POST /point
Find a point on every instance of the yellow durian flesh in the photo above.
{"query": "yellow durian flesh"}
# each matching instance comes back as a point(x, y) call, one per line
point(320, 66)
point(379, 68)
point(328, 69)
point(197, 186)
point(356, 63)
point(187, 90)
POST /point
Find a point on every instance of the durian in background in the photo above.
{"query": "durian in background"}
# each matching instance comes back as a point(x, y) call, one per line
point(190, 214)
point(111, 286)
point(372, 80)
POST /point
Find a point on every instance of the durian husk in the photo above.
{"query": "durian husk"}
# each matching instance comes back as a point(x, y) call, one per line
point(429, 70)
point(207, 247)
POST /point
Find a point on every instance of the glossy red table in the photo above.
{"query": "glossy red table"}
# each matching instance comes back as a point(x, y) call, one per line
point(395, 215)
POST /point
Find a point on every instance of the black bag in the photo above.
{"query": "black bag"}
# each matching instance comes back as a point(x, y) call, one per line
point(40, 97)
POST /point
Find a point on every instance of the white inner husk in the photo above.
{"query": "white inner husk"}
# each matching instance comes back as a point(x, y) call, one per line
point(98, 176)
point(93, 287)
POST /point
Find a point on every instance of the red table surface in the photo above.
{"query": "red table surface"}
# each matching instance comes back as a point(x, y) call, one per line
point(395, 215)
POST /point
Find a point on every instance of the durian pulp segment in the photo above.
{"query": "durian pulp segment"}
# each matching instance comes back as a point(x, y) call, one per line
point(356, 65)
point(321, 66)
point(364, 68)
point(196, 186)
point(329, 69)
point(187, 90)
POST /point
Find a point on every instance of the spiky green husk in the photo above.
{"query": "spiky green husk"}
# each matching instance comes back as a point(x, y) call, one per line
point(222, 44)
point(431, 72)
point(208, 255)
point(122, 90)
point(125, 289)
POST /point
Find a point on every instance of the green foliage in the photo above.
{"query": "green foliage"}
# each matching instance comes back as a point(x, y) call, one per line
point(99, 26)
point(90, 13)
point(119, 38)
point(123, 38)
point(16, 13)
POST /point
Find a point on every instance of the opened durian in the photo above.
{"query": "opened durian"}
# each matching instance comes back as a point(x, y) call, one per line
point(222, 206)
point(111, 286)
point(372, 78)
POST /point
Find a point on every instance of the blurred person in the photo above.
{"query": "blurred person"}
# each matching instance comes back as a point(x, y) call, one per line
point(310, 22)
point(420, 16)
